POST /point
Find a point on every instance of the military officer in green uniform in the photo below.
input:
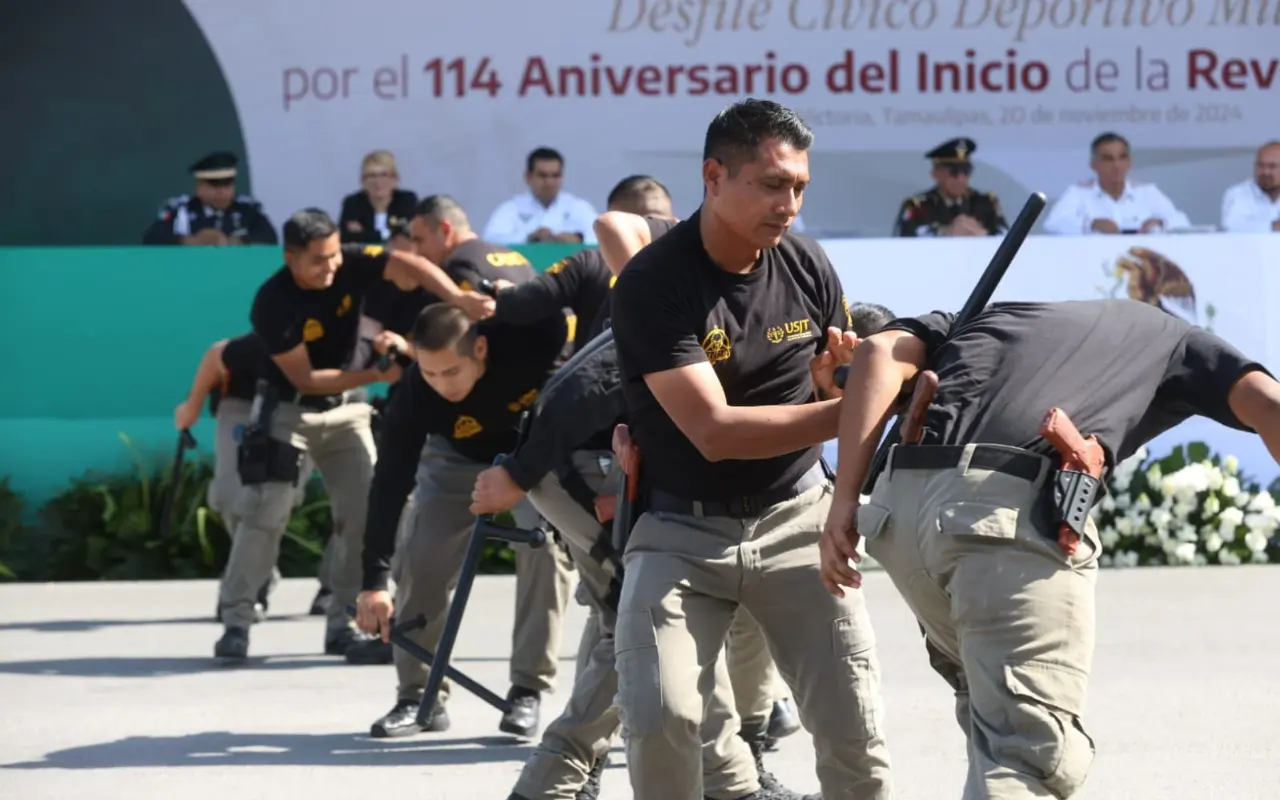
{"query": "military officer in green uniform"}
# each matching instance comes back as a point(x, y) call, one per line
point(952, 207)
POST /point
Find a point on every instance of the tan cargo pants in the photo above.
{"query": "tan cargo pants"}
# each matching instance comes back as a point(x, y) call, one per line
point(429, 567)
point(584, 731)
point(685, 578)
point(1009, 617)
point(340, 444)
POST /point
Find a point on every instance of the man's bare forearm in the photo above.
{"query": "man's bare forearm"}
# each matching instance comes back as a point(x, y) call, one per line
point(873, 383)
point(429, 276)
point(208, 374)
point(756, 432)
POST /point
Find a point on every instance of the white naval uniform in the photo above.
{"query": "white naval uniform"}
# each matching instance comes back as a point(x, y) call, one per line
point(1082, 203)
point(1248, 209)
point(513, 220)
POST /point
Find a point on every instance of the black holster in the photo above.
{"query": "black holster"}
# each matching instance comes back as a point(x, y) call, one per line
point(1073, 495)
point(259, 457)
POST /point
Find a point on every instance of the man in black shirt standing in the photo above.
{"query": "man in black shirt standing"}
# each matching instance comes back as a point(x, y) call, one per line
point(453, 414)
point(306, 316)
point(718, 325)
point(964, 522)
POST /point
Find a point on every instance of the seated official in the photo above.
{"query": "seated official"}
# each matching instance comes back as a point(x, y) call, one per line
point(375, 213)
point(545, 213)
point(1254, 206)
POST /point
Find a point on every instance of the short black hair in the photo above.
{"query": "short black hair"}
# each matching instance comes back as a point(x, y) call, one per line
point(441, 325)
point(633, 188)
point(735, 135)
point(869, 318)
point(542, 154)
point(439, 207)
point(307, 225)
point(1108, 138)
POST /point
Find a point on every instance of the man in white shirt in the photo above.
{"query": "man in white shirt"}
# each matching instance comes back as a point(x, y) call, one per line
point(1254, 206)
point(1111, 203)
point(544, 213)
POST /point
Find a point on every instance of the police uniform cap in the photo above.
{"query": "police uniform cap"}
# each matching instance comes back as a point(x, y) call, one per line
point(216, 167)
point(954, 151)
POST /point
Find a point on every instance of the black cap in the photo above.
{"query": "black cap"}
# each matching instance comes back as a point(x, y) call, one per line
point(955, 151)
point(216, 167)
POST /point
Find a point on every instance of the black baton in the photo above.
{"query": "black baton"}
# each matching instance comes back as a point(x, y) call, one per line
point(978, 300)
point(185, 442)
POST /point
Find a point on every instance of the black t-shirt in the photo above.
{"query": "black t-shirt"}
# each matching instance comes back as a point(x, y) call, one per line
point(245, 360)
point(673, 306)
point(327, 320)
point(579, 283)
point(658, 226)
point(480, 427)
point(1122, 370)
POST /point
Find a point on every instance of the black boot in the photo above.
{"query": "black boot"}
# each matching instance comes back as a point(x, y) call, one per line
point(233, 647)
point(402, 720)
point(591, 789)
point(522, 719)
point(770, 787)
point(320, 605)
point(784, 720)
point(370, 651)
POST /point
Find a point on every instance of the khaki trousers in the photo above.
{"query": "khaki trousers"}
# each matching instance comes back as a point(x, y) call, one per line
point(686, 576)
point(340, 444)
point(584, 731)
point(1009, 618)
point(427, 573)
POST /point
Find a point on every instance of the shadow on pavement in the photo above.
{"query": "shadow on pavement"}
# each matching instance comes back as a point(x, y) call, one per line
point(154, 667)
point(84, 625)
point(224, 748)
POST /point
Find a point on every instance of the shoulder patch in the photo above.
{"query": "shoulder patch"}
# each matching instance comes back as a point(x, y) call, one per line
point(558, 266)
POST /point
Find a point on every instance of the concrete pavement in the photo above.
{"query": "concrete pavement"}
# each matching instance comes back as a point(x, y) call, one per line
point(108, 690)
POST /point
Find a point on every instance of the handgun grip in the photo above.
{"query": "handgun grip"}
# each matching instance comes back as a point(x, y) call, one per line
point(1078, 453)
point(633, 478)
point(921, 397)
point(384, 360)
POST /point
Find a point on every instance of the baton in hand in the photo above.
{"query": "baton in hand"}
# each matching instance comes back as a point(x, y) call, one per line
point(185, 442)
point(978, 300)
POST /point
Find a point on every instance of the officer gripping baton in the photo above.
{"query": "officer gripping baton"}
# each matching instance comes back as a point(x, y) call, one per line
point(484, 530)
point(185, 442)
point(978, 300)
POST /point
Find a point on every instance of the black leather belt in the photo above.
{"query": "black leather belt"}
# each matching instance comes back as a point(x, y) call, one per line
point(1019, 464)
point(328, 402)
point(738, 507)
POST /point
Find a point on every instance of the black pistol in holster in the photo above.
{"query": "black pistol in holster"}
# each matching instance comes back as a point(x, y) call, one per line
point(261, 458)
point(627, 509)
point(1077, 481)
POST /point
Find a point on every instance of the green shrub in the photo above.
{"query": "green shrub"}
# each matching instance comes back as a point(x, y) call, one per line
point(108, 527)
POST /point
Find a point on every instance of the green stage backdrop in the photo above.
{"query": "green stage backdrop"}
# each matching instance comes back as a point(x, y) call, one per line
point(104, 341)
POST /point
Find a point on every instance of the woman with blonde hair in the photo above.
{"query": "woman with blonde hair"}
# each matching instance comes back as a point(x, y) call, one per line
point(380, 209)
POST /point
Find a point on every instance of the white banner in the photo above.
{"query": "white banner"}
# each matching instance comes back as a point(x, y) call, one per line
point(1233, 280)
point(461, 92)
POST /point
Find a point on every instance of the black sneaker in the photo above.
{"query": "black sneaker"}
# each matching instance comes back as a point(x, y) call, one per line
point(320, 605)
point(233, 647)
point(784, 720)
point(591, 789)
point(522, 719)
point(370, 651)
point(402, 720)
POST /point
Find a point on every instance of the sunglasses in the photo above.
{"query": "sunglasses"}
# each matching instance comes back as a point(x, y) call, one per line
point(369, 175)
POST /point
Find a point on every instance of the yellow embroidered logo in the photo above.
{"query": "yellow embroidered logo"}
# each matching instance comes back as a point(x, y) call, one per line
point(848, 315)
point(612, 280)
point(345, 305)
point(523, 401)
point(571, 327)
point(373, 250)
point(466, 426)
point(792, 331)
point(556, 267)
point(717, 346)
point(464, 286)
point(312, 330)
point(508, 259)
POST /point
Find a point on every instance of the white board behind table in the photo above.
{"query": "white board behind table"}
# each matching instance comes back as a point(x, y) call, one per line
point(1233, 278)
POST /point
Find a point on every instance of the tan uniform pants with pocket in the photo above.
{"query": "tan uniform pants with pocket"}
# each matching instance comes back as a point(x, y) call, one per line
point(584, 731)
point(1009, 617)
point(340, 444)
point(428, 570)
point(685, 578)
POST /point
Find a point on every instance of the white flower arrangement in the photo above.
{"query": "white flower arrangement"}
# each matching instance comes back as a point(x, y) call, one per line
point(1189, 508)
